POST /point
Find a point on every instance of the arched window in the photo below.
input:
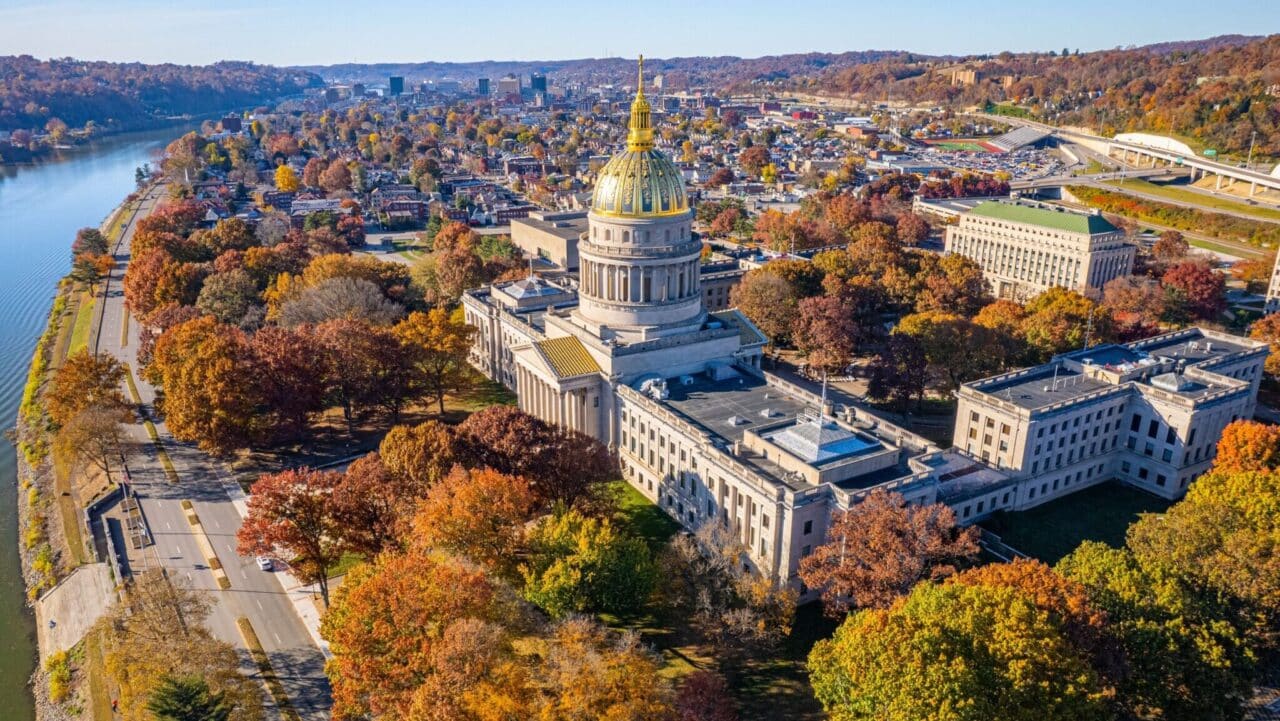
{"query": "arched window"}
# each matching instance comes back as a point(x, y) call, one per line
point(626, 236)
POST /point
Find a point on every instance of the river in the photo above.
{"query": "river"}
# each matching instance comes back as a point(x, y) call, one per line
point(41, 207)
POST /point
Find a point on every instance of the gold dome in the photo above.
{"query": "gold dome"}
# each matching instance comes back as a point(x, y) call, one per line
point(640, 182)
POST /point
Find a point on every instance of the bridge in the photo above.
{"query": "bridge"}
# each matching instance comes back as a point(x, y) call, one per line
point(1143, 155)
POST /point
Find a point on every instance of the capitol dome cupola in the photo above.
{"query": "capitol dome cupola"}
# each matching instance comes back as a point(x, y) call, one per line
point(639, 260)
point(641, 181)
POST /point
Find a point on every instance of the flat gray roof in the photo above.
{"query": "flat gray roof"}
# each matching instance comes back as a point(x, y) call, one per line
point(711, 404)
point(1040, 388)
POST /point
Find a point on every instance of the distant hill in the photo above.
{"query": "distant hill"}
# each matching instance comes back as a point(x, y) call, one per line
point(133, 95)
point(1199, 46)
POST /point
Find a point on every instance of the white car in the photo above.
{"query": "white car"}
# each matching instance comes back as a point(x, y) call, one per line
point(264, 563)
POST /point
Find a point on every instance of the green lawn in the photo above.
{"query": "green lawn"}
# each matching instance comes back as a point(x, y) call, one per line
point(84, 319)
point(1101, 513)
point(1173, 192)
point(345, 564)
point(966, 146)
point(641, 517)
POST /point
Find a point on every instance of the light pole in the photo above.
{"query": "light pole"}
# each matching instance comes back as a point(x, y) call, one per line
point(1248, 163)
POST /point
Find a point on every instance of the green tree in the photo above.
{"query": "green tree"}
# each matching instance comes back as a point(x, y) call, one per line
point(955, 653)
point(1059, 320)
point(1223, 536)
point(187, 698)
point(579, 564)
point(957, 350)
point(1186, 660)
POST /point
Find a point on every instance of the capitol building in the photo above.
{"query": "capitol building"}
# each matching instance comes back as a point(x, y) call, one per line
point(629, 355)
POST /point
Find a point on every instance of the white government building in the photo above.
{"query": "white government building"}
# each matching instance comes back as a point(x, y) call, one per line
point(634, 359)
point(1025, 248)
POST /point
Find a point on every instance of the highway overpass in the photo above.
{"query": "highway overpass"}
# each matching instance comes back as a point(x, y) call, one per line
point(1141, 155)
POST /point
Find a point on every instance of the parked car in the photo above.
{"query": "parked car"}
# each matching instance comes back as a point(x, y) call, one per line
point(264, 563)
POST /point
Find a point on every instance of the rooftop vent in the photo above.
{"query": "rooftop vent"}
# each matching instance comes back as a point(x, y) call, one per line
point(737, 421)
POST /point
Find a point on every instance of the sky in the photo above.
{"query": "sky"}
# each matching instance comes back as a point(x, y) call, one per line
point(324, 32)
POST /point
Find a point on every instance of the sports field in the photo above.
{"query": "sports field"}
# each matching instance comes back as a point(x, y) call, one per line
point(960, 146)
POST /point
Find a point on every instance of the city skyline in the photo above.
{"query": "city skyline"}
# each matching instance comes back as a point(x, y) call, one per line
point(156, 33)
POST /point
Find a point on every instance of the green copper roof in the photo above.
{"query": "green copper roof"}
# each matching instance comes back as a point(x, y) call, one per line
point(1066, 220)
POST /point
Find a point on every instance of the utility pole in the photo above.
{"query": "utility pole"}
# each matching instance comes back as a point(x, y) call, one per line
point(1089, 328)
point(1248, 164)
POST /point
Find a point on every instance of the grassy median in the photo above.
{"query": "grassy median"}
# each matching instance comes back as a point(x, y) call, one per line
point(264, 667)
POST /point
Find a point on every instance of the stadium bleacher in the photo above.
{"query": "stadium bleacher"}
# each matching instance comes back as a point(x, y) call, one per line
point(1018, 138)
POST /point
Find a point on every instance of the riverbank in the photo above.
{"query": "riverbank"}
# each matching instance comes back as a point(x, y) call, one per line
point(51, 541)
point(18, 158)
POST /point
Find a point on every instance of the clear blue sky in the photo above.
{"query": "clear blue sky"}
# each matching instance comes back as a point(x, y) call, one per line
point(301, 32)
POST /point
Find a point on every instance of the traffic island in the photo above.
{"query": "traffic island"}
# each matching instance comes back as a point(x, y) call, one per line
point(206, 547)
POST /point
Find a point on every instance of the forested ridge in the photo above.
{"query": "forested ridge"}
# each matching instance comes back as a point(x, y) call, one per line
point(37, 93)
point(1214, 92)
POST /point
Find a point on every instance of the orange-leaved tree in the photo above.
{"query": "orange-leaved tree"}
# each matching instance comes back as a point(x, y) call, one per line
point(293, 517)
point(1248, 446)
point(878, 549)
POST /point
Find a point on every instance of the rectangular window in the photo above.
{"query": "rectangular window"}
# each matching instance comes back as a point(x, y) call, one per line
point(808, 527)
point(1137, 423)
point(1153, 429)
point(1171, 437)
point(1160, 479)
point(1124, 466)
point(1142, 472)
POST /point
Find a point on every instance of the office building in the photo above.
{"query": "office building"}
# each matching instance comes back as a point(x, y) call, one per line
point(552, 236)
point(1148, 413)
point(538, 83)
point(395, 85)
point(509, 85)
point(482, 86)
point(1025, 249)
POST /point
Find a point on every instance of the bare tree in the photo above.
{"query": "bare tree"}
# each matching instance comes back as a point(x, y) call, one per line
point(341, 298)
point(96, 436)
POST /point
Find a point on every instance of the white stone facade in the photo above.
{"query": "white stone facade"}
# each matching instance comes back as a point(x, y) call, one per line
point(1025, 250)
point(1149, 413)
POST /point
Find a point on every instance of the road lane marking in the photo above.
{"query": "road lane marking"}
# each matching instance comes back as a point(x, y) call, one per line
point(216, 524)
point(168, 525)
point(278, 641)
point(259, 602)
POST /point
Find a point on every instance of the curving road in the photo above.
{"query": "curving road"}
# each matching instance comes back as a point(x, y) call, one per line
point(254, 594)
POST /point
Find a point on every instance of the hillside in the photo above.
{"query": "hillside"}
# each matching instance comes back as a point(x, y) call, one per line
point(131, 95)
point(1214, 92)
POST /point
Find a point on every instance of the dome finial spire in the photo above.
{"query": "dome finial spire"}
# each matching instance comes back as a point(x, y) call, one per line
point(640, 129)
